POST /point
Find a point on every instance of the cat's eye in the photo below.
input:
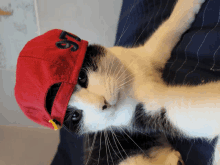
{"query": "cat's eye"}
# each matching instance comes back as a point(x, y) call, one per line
point(82, 79)
point(76, 115)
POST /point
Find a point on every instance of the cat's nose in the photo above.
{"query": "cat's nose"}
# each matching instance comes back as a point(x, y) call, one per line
point(106, 105)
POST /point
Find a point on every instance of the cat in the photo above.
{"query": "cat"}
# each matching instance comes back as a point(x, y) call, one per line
point(113, 81)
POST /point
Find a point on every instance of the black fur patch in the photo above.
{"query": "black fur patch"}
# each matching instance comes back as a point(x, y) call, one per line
point(92, 57)
point(157, 122)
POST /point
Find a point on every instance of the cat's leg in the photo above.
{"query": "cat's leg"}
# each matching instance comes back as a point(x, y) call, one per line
point(157, 50)
point(150, 90)
point(159, 46)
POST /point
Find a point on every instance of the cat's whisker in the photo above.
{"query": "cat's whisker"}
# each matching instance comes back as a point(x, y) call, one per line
point(119, 71)
point(120, 77)
point(108, 83)
point(132, 140)
point(115, 82)
point(106, 146)
point(126, 69)
point(118, 64)
point(137, 130)
point(109, 65)
point(122, 85)
point(105, 141)
point(113, 61)
point(132, 74)
point(100, 147)
point(126, 78)
point(92, 147)
point(106, 80)
point(113, 148)
point(111, 84)
point(131, 79)
point(124, 93)
point(113, 88)
point(108, 88)
point(87, 137)
point(113, 93)
point(116, 144)
point(108, 142)
point(105, 69)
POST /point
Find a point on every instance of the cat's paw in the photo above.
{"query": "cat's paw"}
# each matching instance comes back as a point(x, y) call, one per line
point(184, 13)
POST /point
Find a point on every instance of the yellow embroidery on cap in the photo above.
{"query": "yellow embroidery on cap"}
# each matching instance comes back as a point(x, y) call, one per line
point(54, 124)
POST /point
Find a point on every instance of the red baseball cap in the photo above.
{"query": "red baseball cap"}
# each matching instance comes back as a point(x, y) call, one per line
point(53, 57)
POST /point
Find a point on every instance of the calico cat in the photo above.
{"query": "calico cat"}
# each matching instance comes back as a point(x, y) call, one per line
point(113, 81)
